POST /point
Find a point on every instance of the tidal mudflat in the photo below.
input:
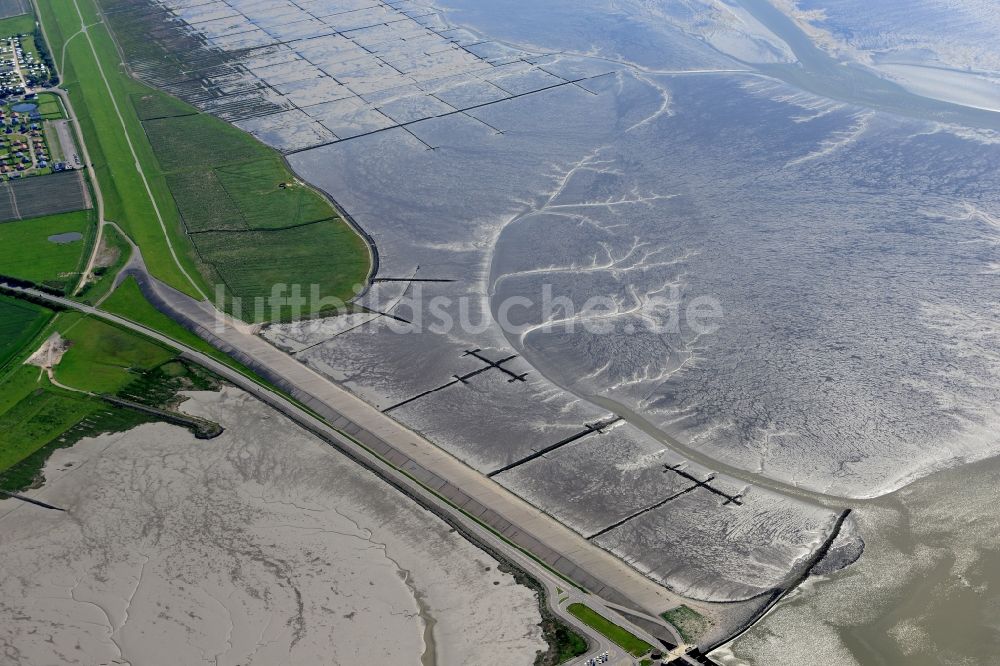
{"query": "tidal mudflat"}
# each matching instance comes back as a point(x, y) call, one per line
point(261, 546)
point(511, 152)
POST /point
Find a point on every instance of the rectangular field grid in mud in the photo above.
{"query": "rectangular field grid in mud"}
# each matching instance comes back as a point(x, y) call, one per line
point(316, 73)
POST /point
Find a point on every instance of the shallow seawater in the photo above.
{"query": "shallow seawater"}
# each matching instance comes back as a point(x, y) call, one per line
point(927, 590)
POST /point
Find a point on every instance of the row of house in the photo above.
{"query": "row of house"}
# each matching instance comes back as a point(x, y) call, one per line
point(22, 145)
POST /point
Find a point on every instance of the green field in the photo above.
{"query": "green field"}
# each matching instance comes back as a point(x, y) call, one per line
point(50, 107)
point(252, 195)
point(204, 203)
point(199, 140)
point(206, 176)
point(127, 301)
point(103, 358)
point(33, 413)
point(20, 322)
point(269, 199)
point(39, 417)
point(624, 639)
point(17, 25)
point(252, 223)
point(27, 253)
point(569, 643)
point(150, 106)
point(250, 269)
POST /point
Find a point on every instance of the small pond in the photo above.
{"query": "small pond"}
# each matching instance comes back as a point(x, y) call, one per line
point(68, 237)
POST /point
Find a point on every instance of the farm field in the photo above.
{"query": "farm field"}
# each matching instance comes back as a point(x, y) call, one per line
point(20, 322)
point(27, 253)
point(34, 197)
